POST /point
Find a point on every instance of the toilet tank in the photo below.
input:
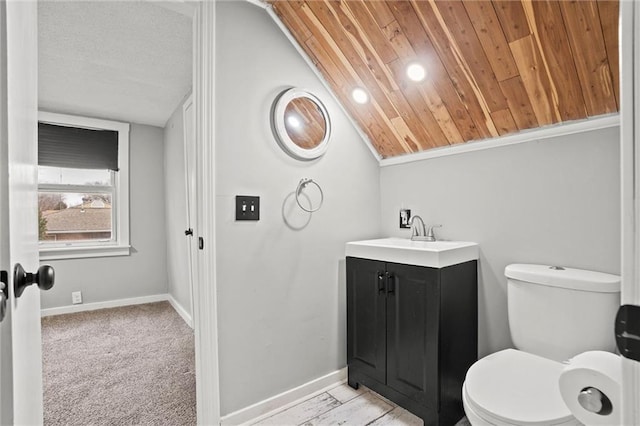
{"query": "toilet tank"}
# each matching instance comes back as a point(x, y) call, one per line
point(560, 312)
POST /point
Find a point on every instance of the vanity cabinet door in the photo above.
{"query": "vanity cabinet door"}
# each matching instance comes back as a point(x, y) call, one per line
point(413, 305)
point(366, 317)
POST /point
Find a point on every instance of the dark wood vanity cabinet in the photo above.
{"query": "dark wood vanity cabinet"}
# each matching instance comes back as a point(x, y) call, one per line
point(412, 334)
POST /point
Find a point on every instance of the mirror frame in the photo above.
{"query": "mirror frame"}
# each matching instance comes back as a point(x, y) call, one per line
point(280, 132)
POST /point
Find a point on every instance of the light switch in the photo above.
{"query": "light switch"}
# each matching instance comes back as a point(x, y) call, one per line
point(247, 207)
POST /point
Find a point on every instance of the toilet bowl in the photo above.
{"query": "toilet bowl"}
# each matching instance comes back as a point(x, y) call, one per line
point(554, 314)
point(512, 387)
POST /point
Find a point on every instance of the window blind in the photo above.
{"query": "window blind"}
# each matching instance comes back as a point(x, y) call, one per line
point(73, 147)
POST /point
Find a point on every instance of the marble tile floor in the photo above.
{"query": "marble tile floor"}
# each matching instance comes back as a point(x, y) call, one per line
point(343, 405)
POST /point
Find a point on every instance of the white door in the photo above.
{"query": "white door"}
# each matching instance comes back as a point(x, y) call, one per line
point(190, 189)
point(630, 164)
point(20, 342)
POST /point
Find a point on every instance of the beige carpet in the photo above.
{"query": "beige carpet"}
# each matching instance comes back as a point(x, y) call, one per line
point(132, 365)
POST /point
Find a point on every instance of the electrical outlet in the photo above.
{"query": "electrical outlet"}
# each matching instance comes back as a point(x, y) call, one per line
point(405, 215)
point(76, 297)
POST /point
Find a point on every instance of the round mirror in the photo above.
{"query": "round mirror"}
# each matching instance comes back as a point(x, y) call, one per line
point(301, 124)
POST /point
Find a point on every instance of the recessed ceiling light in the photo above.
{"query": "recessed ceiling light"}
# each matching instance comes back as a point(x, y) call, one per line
point(416, 72)
point(360, 96)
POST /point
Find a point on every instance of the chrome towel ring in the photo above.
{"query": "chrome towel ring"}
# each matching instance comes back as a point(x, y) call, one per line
point(301, 186)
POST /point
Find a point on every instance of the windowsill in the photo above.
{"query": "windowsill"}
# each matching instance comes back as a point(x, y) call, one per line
point(79, 252)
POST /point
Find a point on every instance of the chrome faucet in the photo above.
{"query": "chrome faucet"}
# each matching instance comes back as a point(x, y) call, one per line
point(417, 229)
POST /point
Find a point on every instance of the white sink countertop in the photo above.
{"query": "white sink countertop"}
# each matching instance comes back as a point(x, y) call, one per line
point(433, 254)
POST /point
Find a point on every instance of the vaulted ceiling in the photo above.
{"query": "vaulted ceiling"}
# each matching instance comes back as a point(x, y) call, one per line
point(492, 67)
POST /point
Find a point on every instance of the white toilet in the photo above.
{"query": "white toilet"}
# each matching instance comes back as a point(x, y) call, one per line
point(554, 314)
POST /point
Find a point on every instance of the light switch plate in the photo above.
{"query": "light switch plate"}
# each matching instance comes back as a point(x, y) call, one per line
point(247, 207)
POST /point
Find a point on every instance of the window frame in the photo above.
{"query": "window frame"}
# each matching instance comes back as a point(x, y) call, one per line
point(119, 243)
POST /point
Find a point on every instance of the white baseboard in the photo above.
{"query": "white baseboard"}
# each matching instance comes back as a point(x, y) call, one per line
point(284, 400)
point(102, 305)
point(180, 310)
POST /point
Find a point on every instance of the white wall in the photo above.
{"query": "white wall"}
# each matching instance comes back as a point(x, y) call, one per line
point(144, 272)
point(281, 291)
point(553, 202)
point(176, 211)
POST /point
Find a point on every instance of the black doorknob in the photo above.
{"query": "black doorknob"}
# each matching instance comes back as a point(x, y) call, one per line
point(188, 232)
point(21, 279)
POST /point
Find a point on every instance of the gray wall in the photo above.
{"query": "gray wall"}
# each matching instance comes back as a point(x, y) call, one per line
point(176, 211)
point(281, 295)
point(553, 202)
point(144, 272)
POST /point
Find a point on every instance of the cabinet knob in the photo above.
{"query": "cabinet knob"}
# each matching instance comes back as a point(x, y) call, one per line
point(391, 283)
point(380, 282)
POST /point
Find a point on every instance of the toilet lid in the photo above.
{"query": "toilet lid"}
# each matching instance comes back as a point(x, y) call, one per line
point(515, 387)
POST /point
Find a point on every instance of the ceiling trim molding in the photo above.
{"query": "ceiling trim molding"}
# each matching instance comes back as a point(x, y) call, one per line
point(317, 72)
point(541, 133)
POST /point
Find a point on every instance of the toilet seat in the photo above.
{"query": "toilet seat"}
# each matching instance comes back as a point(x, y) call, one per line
point(512, 387)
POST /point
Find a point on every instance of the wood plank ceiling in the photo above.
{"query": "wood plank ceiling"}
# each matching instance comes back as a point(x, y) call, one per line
point(492, 67)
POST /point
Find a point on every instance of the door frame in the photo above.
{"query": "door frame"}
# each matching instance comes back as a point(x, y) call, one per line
point(205, 288)
point(629, 32)
point(189, 144)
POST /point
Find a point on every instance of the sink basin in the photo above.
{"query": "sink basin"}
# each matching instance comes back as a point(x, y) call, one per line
point(434, 254)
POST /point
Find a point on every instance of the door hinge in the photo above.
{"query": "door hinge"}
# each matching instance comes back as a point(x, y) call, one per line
point(627, 331)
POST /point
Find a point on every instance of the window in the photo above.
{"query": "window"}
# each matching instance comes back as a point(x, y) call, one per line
point(83, 187)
